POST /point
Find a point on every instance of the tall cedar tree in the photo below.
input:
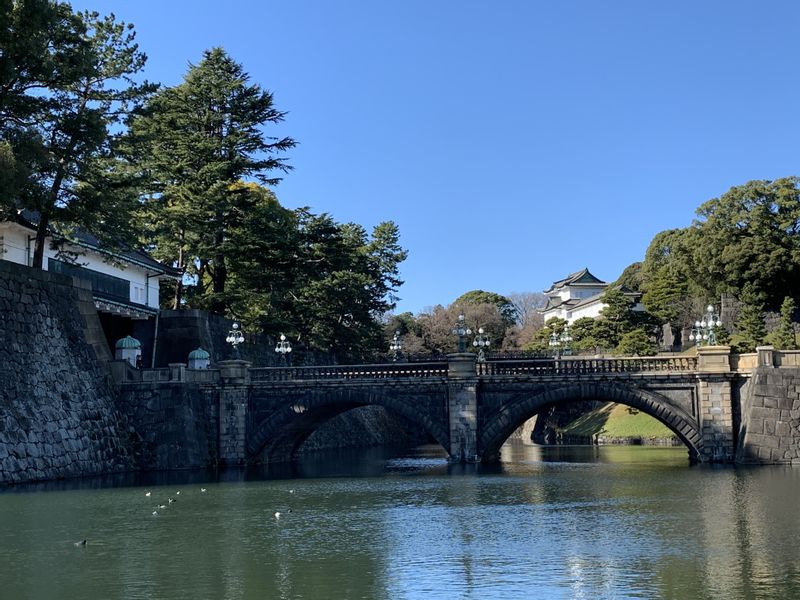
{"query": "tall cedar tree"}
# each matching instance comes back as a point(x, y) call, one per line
point(197, 141)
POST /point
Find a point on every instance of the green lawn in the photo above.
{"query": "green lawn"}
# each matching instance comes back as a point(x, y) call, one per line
point(618, 421)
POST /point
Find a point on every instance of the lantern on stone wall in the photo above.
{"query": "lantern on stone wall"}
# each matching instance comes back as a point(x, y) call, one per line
point(199, 359)
point(129, 349)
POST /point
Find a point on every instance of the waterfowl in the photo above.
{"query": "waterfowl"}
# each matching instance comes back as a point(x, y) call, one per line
point(81, 543)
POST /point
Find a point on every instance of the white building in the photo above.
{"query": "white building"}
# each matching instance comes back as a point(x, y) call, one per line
point(125, 283)
point(579, 295)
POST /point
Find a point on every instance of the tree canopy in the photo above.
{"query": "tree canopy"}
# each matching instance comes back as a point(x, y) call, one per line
point(66, 87)
point(198, 141)
point(750, 235)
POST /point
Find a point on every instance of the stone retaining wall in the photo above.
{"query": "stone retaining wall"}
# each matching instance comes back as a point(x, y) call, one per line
point(770, 427)
point(173, 426)
point(57, 413)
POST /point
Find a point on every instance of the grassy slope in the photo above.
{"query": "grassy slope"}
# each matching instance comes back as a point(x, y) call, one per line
point(618, 421)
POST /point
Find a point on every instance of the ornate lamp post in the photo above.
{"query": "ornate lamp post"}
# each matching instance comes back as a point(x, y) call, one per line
point(566, 341)
point(462, 331)
point(283, 347)
point(235, 337)
point(704, 330)
point(481, 341)
point(395, 346)
point(560, 342)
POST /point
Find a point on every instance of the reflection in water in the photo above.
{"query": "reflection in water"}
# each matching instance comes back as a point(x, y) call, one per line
point(549, 522)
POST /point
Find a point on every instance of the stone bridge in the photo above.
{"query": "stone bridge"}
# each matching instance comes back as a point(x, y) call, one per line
point(470, 408)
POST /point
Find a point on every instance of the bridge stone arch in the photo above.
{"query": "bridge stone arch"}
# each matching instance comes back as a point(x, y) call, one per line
point(279, 432)
point(522, 406)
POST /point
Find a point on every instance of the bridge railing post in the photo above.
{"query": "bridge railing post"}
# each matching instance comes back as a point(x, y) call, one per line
point(177, 371)
point(766, 356)
point(233, 401)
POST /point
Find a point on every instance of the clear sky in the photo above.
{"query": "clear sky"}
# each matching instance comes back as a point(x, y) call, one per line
point(512, 142)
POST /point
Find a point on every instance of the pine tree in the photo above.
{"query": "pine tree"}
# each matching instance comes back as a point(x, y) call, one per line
point(59, 117)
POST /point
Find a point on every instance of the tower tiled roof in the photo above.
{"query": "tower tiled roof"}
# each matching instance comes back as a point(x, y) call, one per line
point(582, 277)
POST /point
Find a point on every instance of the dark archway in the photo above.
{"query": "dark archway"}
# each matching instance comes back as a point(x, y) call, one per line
point(523, 406)
point(277, 437)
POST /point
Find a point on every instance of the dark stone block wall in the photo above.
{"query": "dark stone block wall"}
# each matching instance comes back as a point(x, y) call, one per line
point(770, 427)
point(57, 412)
point(174, 426)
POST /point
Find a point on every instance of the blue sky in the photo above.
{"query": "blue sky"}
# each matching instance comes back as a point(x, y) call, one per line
point(512, 142)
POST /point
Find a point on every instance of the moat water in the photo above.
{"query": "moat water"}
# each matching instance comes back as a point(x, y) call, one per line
point(555, 522)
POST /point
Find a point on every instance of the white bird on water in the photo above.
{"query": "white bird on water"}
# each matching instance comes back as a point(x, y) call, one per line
point(79, 544)
point(155, 513)
point(203, 490)
point(147, 494)
point(278, 515)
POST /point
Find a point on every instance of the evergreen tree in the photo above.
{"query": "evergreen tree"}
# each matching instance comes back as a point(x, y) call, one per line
point(617, 316)
point(541, 339)
point(636, 343)
point(59, 117)
point(751, 321)
point(198, 141)
point(583, 332)
point(785, 338)
point(750, 235)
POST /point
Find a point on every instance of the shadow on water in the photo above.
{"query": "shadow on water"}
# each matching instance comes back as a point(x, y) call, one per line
point(387, 461)
point(353, 463)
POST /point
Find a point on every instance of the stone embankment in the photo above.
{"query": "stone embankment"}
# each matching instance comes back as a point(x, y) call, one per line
point(770, 426)
point(57, 412)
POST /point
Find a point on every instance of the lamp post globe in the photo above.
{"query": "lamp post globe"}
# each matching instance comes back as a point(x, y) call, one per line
point(704, 330)
point(234, 338)
point(395, 346)
point(481, 342)
point(283, 348)
point(461, 331)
